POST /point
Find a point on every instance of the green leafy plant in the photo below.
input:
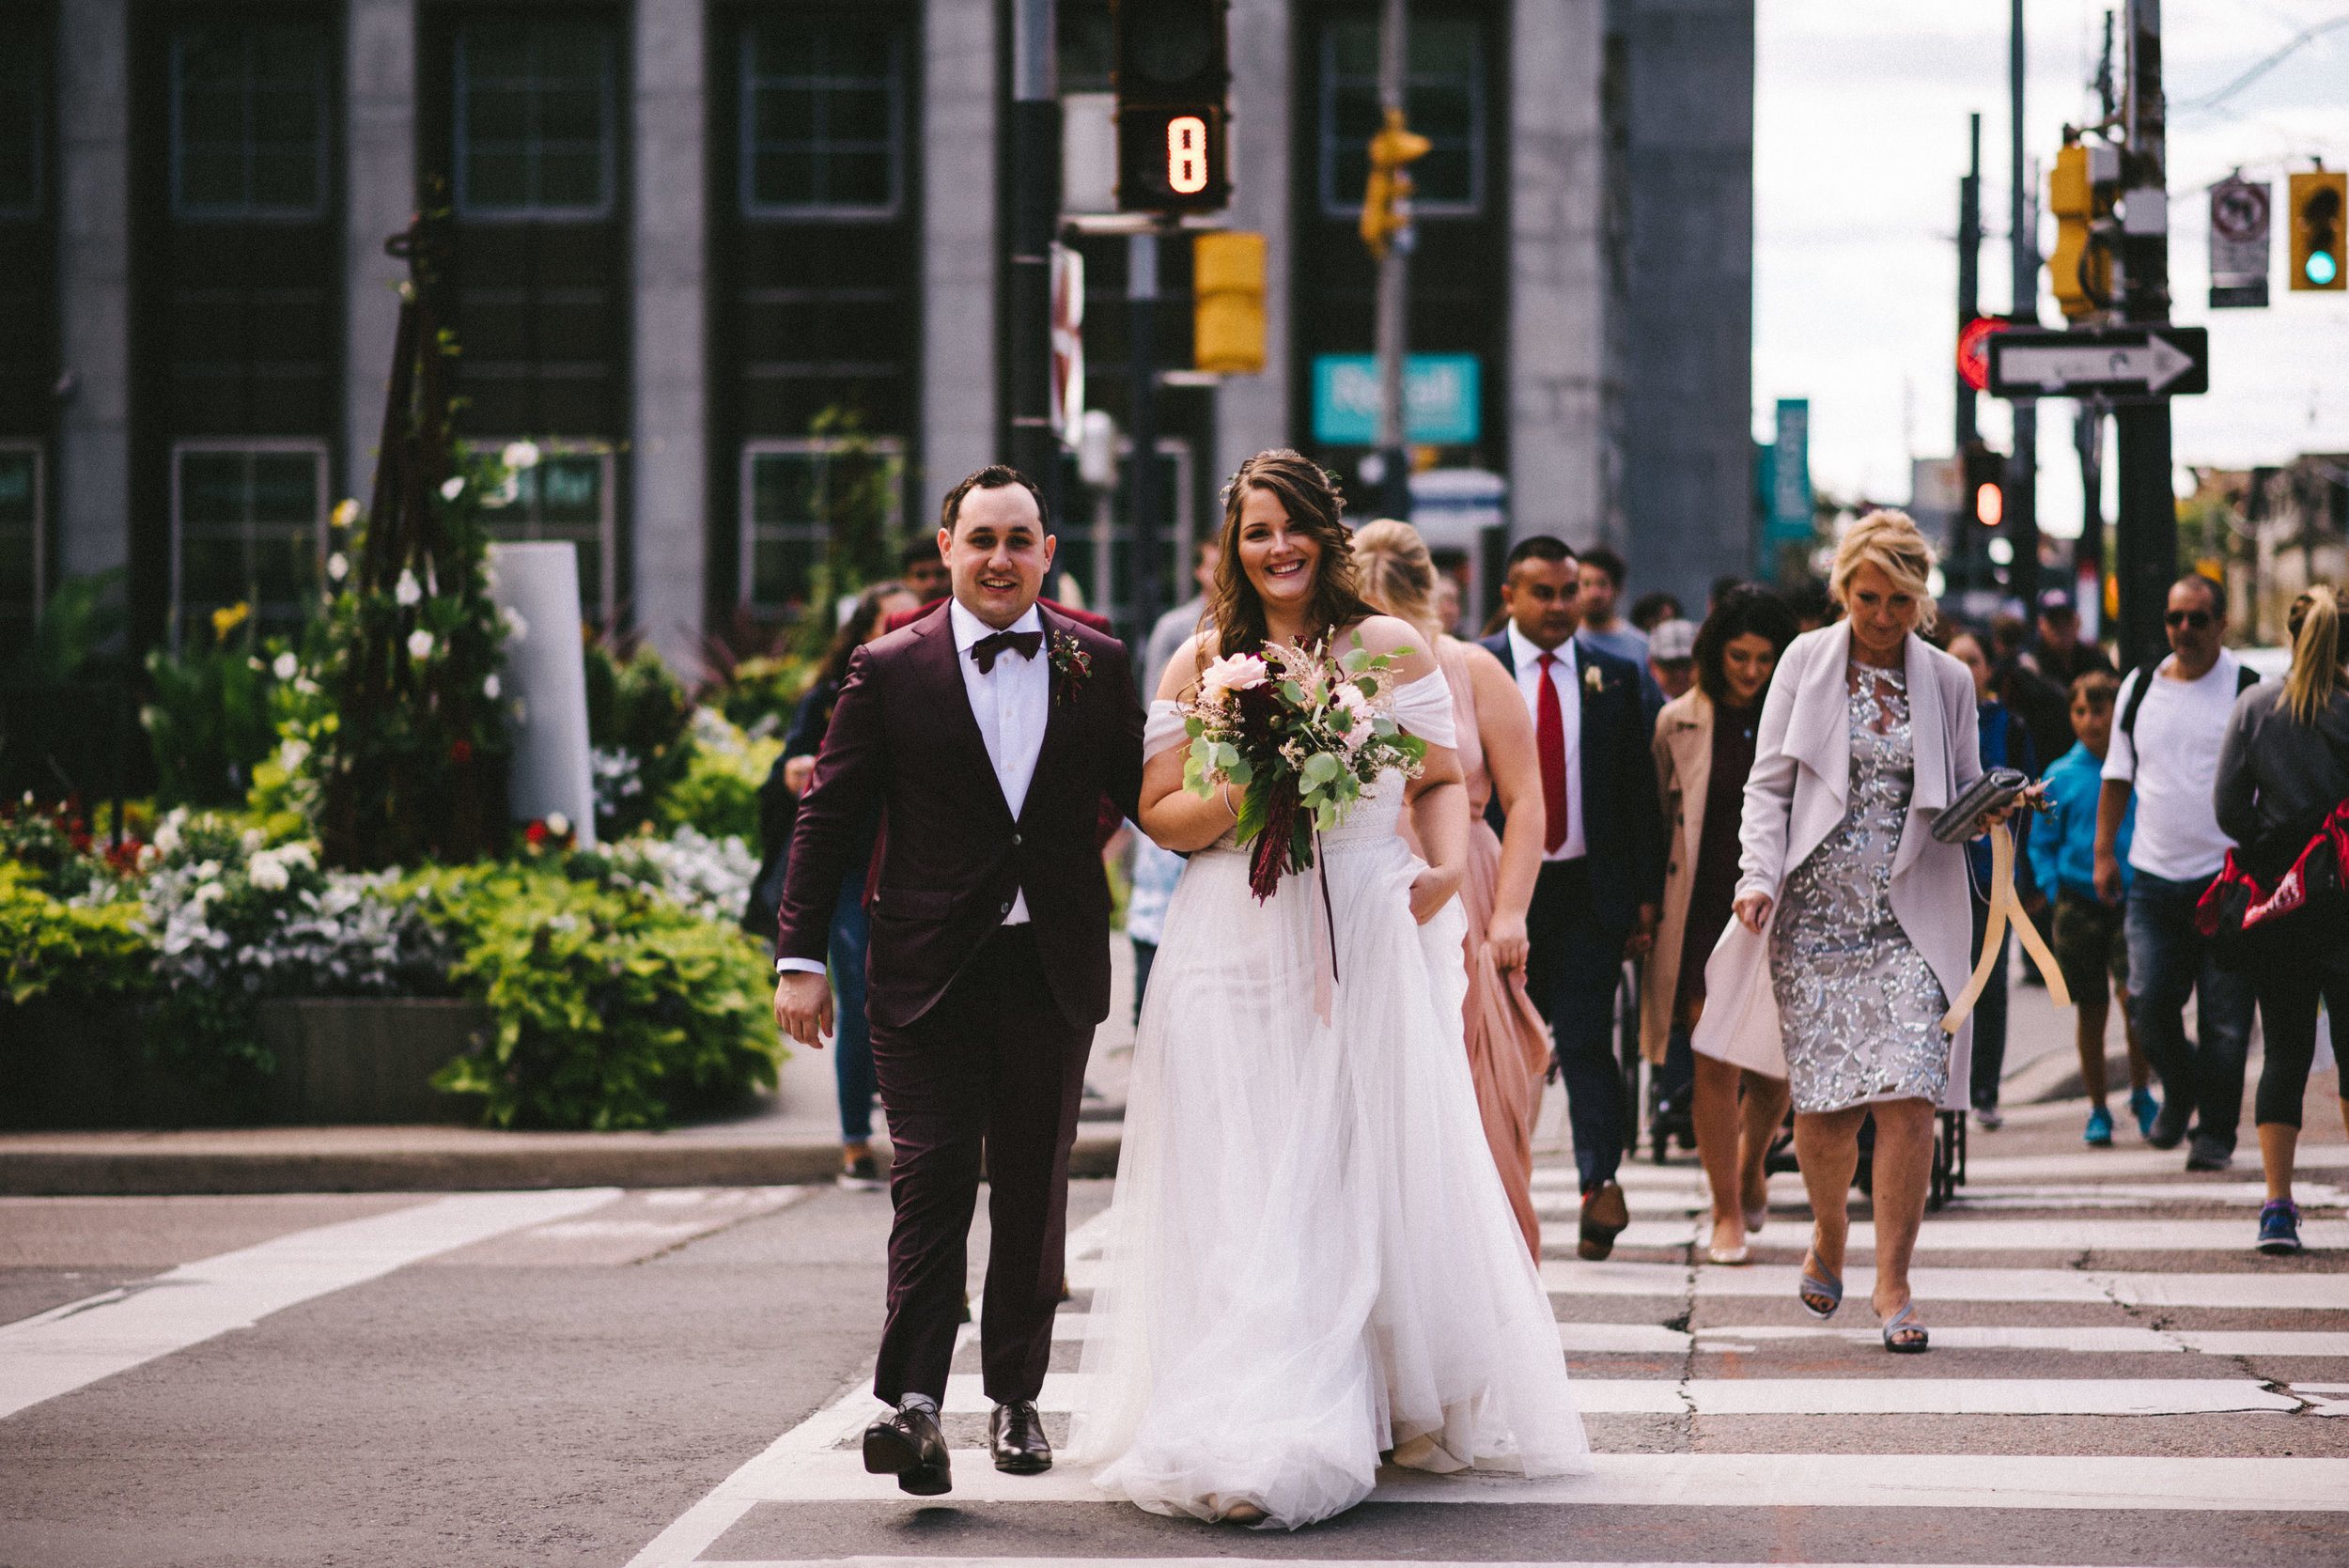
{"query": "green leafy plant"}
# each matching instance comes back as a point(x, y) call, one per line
point(638, 718)
point(614, 1008)
point(53, 948)
point(210, 721)
point(719, 793)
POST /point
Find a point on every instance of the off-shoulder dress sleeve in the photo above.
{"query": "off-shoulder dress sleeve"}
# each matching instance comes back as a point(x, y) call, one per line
point(1163, 729)
point(1424, 709)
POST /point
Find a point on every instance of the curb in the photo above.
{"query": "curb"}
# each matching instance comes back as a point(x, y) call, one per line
point(64, 1168)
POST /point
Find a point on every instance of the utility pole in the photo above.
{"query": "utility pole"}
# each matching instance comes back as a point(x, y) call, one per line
point(1958, 558)
point(2022, 484)
point(2147, 527)
point(2088, 551)
point(1141, 424)
point(1035, 130)
point(1394, 481)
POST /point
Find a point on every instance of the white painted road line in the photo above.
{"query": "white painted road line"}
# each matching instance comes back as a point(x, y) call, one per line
point(2194, 1484)
point(2272, 1292)
point(1239, 1563)
point(1990, 1168)
point(82, 1342)
point(2119, 1338)
point(2022, 1236)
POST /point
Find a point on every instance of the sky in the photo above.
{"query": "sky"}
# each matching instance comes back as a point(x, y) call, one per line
point(1860, 141)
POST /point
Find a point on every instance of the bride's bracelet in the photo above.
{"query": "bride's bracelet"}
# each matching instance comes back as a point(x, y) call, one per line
point(1226, 791)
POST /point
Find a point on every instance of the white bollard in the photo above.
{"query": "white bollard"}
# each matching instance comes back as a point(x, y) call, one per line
point(546, 684)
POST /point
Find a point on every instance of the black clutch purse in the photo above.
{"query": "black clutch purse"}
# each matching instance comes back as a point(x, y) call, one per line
point(1961, 819)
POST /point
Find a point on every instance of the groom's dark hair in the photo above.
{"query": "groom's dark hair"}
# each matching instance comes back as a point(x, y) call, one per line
point(995, 476)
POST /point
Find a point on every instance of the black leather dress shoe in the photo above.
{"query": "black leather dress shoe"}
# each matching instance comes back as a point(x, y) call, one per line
point(1015, 1434)
point(907, 1443)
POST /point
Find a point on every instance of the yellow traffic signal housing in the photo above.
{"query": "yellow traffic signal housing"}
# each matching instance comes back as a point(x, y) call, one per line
point(2079, 194)
point(1389, 187)
point(2317, 222)
point(1227, 321)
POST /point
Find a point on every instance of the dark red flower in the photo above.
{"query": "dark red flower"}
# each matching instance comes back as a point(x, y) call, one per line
point(461, 750)
point(536, 833)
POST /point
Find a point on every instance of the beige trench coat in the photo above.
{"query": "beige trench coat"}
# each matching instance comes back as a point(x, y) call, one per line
point(1683, 768)
point(1795, 798)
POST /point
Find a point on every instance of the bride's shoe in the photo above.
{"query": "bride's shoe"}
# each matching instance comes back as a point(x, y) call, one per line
point(1241, 1513)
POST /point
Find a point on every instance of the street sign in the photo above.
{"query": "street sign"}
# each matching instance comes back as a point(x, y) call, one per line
point(2109, 362)
point(1973, 363)
point(2238, 244)
point(1441, 399)
point(1790, 474)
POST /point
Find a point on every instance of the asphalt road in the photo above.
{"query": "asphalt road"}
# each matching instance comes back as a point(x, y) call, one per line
point(669, 1378)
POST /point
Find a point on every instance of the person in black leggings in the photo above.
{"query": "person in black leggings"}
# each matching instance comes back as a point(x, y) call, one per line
point(2283, 772)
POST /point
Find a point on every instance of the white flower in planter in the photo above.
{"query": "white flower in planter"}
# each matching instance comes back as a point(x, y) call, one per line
point(516, 627)
point(266, 872)
point(453, 486)
point(338, 566)
point(407, 590)
point(558, 824)
point(489, 687)
point(420, 643)
point(346, 513)
point(291, 753)
point(285, 666)
point(520, 455)
point(167, 834)
point(251, 840)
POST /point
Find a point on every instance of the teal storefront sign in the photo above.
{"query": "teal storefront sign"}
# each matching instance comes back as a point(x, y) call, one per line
point(1442, 398)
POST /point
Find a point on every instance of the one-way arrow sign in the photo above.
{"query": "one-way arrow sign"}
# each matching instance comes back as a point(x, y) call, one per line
point(2112, 362)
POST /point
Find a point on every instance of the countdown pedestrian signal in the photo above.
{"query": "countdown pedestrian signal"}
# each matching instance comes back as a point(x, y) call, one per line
point(1172, 74)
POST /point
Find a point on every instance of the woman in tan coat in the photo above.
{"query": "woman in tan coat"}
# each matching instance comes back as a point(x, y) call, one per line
point(1508, 1045)
point(1705, 748)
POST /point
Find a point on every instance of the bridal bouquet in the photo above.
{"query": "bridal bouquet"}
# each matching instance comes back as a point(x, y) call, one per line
point(1299, 732)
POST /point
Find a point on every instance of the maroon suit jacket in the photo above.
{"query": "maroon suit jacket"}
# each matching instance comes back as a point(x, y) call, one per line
point(950, 857)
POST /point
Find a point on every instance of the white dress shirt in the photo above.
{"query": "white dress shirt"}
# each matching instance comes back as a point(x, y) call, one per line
point(1012, 703)
point(1566, 677)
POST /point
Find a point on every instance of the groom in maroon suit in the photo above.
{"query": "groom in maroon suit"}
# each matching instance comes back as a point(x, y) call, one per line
point(987, 733)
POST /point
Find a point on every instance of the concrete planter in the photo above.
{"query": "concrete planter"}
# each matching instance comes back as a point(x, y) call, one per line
point(75, 1065)
point(368, 1061)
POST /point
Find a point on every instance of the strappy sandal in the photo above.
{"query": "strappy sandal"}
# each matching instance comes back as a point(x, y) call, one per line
point(1817, 1283)
point(1904, 1335)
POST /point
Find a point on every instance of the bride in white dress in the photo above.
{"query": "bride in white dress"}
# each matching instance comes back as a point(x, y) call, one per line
point(1312, 1261)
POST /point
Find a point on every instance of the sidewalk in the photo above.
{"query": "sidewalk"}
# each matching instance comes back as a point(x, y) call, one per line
point(787, 1136)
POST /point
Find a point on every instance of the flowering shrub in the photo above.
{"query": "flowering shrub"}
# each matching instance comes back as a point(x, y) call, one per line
point(638, 718)
point(614, 1008)
point(54, 948)
point(719, 793)
point(707, 878)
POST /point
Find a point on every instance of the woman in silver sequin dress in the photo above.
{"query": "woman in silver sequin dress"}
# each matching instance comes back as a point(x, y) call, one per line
point(1856, 925)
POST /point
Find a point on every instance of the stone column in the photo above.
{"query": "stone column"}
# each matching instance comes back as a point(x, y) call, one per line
point(379, 199)
point(1251, 413)
point(1558, 481)
point(669, 458)
point(958, 337)
point(94, 284)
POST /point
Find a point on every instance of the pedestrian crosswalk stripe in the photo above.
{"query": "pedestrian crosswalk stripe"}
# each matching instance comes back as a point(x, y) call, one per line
point(1985, 1169)
point(2022, 1236)
point(1820, 1396)
point(2197, 1483)
point(1653, 1339)
point(1242, 1562)
point(1693, 1199)
point(2264, 1290)
point(57, 1351)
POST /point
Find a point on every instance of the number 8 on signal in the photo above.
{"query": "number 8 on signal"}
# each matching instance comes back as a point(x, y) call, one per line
point(1186, 154)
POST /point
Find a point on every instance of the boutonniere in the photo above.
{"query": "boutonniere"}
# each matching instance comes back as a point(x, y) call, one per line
point(1074, 665)
point(1594, 680)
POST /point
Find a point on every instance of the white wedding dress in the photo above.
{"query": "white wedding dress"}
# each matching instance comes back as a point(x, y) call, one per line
point(1312, 1259)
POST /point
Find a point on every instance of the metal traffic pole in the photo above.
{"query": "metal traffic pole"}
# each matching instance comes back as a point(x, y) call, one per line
point(1034, 175)
point(2147, 526)
point(1394, 481)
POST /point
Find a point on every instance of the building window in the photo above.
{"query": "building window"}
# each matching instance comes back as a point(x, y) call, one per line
point(566, 496)
point(22, 112)
point(534, 119)
point(1444, 99)
point(796, 493)
point(21, 562)
point(823, 119)
point(248, 526)
point(248, 120)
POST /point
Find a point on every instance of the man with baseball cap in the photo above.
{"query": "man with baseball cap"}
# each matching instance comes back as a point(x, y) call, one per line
point(2058, 652)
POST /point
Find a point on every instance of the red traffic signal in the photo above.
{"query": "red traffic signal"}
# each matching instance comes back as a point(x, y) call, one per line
point(1986, 485)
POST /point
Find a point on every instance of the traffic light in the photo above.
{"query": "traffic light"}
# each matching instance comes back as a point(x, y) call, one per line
point(1976, 540)
point(1387, 194)
point(2080, 192)
point(1985, 486)
point(1227, 320)
point(2317, 201)
point(1172, 73)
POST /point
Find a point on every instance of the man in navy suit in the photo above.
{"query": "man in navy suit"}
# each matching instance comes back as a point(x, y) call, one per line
point(1602, 876)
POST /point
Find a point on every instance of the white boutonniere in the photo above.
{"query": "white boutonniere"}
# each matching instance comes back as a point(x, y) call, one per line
point(1594, 680)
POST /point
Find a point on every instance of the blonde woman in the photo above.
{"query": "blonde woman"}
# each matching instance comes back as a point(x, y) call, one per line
point(1853, 923)
point(2283, 771)
point(1508, 1045)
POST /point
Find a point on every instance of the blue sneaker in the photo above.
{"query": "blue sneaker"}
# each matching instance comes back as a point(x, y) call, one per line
point(2279, 1228)
point(2099, 1133)
point(2144, 1107)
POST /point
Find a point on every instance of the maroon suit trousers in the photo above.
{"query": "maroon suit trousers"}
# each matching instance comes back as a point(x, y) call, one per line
point(994, 1066)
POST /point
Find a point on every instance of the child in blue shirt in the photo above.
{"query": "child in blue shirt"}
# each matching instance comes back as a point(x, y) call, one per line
point(2088, 931)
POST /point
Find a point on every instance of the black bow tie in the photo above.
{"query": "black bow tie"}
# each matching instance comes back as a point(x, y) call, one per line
point(987, 649)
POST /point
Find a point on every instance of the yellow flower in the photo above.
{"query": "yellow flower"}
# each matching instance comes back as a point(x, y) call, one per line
point(227, 621)
point(346, 513)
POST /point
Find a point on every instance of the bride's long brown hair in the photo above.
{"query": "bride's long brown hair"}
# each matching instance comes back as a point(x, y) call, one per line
point(1316, 510)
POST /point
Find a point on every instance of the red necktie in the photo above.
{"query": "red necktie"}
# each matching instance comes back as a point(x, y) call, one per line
point(1549, 738)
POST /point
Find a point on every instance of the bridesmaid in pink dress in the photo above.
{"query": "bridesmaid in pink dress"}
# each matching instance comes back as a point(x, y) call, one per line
point(1508, 1045)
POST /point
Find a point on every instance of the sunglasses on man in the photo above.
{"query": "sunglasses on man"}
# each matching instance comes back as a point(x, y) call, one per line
point(2197, 619)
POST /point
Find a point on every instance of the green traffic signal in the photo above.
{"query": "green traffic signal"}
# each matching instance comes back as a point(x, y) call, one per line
point(2321, 269)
